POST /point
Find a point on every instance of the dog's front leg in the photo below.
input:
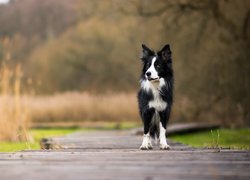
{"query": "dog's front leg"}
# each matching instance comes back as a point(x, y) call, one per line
point(146, 142)
point(162, 127)
point(162, 137)
point(147, 117)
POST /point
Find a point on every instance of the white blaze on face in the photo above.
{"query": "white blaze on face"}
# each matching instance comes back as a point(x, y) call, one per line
point(152, 70)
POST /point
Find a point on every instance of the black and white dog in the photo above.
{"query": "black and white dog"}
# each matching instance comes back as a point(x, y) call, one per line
point(156, 95)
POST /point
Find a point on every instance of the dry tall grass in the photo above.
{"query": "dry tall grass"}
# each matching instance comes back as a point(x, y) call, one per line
point(14, 118)
point(76, 106)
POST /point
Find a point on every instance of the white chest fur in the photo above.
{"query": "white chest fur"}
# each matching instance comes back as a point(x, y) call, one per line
point(157, 103)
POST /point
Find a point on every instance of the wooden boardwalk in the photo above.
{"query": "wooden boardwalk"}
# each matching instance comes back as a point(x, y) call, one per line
point(115, 155)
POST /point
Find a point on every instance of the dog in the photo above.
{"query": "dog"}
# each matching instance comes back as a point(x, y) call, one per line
point(155, 96)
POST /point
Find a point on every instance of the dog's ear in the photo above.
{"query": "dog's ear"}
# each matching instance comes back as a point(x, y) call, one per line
point(165, 52)
point(146, 52)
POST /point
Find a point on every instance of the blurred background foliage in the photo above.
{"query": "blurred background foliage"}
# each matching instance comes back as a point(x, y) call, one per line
point(94, 46)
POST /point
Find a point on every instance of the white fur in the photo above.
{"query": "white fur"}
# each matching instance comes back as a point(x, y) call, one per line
point(146, 142)
point(162, 138)
point(152, 70)
point(157, 102)
point(145, 85)
point(155, 87)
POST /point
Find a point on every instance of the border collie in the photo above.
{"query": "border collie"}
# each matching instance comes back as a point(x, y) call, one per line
point(156, 95)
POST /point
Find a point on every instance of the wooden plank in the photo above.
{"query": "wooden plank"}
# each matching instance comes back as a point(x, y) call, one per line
point(183, 128)
point(115, 155)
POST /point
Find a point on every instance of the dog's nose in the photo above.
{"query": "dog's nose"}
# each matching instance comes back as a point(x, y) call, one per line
point(148, 74)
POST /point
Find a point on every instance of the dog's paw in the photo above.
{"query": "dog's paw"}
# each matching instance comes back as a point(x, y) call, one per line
point(165, 147)
point(146, 147)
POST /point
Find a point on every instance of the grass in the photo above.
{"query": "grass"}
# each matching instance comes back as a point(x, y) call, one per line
point(223, 138)
point(38, 134)
point(14, 115)
point(118, 126)
point(14, 118)
point(78, 106)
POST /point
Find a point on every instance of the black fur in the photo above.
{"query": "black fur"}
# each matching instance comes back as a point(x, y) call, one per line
point(163, 66)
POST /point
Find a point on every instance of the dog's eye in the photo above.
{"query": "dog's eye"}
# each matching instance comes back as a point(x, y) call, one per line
point(158, 66)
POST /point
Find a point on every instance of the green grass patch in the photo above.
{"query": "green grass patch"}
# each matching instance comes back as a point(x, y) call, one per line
point(119, 126)
point(37, 134)
point(43, 133)
point(224, 138)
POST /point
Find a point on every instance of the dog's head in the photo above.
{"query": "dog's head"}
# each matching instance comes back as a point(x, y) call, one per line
point(156, 65)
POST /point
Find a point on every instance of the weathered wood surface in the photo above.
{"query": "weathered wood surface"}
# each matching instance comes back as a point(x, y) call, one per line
point(115, 155)
point(182, 128)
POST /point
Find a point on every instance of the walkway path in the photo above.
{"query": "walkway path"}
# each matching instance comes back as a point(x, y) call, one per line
point(115, 155)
